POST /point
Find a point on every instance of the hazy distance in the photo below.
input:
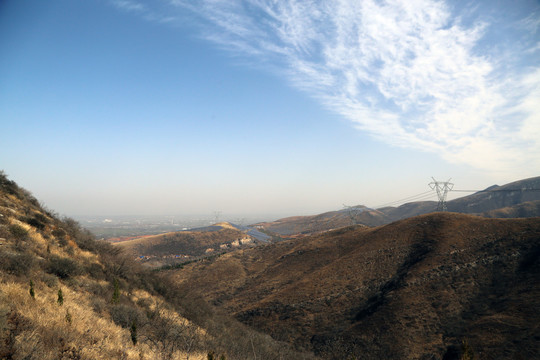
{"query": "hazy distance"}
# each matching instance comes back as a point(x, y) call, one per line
point(264, 109)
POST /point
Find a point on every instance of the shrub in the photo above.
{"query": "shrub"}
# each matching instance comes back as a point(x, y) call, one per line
point(98, 305)
point(95, 270)
point(4, 230)
point(59, 233)
point(16, 264)
point(62, 242)
point(38, 221)
point(116, 292)
point(18, 231)
point(7, 185)
point(60, 300)
point(3, 217)
point(69, 319)
point(62, 267)
point(467, 352)
point(50, 280)
point(86, 241)
point(125, 315)
point(133, 332)
point(4, 311)
point(32, 292)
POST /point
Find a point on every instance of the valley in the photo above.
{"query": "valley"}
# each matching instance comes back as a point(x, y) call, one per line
point(416, 288)
point(174, 248)
point(436, 285)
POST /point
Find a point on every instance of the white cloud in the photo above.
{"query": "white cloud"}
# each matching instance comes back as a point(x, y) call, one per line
point(147, 12)
point(407, 72)
point(129, 5)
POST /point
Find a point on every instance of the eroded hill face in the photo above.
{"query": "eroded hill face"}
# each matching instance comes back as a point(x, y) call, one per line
point(413, 289)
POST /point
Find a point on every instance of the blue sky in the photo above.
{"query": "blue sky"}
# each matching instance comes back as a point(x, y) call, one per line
point(257, 107)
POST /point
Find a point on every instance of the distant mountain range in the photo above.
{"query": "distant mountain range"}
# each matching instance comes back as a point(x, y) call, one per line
point(516, 199)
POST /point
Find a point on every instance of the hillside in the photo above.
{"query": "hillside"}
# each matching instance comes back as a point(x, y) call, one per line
point(515, 199)
point(408, 210)
point(523, 210)
point(308, 225)
point(64, 295)
point(497, 197)
point(415, 289)
point(483, 203)
point(180, 246)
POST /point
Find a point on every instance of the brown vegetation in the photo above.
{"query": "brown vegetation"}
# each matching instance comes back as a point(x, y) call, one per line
point(415, 289)
point(64, 295)
point(299, 226)
point(438, 286)
point(182, 246)
point(520, 199)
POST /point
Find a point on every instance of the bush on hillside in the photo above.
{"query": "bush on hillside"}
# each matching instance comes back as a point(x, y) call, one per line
point(38, 220)
point(62, 267)
point(18, 231)
point(59, 233)
point(125, 315)
point(4, 231)
point(16, 264)
point(7, 185)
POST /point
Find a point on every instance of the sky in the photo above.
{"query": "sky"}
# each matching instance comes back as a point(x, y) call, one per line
point(264, 107)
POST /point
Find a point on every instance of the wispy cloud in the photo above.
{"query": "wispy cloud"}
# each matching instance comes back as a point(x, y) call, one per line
point(407, 72)
point(130, 5)
point(148, 12)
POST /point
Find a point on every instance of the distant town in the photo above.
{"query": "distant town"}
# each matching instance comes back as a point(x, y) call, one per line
point(110, 227)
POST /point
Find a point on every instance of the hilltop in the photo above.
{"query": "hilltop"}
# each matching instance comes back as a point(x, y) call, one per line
point(482, 203)
point(517, 199)
point(181, 246)
point(308, 225)
point(434, 286)
point(419, 288)
point(65, 295)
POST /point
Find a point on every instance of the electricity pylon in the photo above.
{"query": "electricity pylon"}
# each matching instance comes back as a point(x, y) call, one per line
point(442, 188)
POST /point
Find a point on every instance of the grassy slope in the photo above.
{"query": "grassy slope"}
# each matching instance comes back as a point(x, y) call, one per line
point(104, 295)
point(320, 223)
point(413, 288)
point(192, 243)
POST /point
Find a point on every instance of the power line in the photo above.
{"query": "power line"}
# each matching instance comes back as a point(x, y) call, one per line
point(495, 190)
point(429, 194)
point(420, 196)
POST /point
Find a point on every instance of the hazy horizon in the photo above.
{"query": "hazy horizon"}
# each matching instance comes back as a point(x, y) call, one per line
point(252, 108)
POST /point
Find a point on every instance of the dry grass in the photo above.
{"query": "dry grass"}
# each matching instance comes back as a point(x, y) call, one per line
point(111, 307)
point(46, 330)
point(402, 290)
point(37, 326)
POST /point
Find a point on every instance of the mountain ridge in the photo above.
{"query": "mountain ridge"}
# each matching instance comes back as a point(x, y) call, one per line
point(175, 247)
point(483, 203)
point(415, 288)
